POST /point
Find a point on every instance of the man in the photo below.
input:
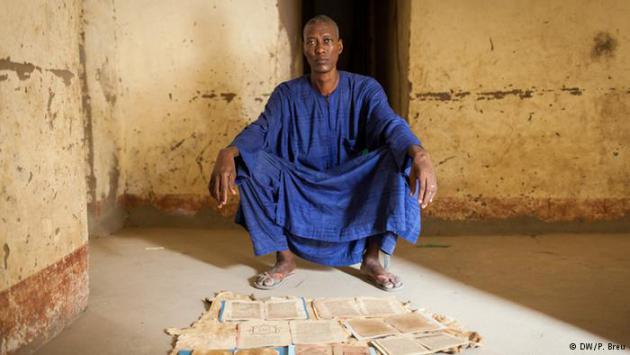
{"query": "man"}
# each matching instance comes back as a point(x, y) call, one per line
point(328, 171)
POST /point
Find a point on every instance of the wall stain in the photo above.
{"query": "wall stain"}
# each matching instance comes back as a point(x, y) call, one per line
point(491, 44)
point(64, 74)
point(228, 96)
point(604, 46)
point(445, 160)
point(86, 107)
point(4, 77)
point(176, 145)
point(497, 95)
point(572, 91)
point(24, 70)
point(494, 95)
point(7, 251)
point(51, 115)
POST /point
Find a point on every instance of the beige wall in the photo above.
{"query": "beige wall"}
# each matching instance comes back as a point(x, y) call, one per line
point(42, 177)
point(524, 105)
point(104, 126)
point(170, 88)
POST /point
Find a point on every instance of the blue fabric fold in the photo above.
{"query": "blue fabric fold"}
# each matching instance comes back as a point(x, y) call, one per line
point(320, 175)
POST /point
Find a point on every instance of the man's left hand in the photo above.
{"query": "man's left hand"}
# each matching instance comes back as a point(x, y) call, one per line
point(422, 172)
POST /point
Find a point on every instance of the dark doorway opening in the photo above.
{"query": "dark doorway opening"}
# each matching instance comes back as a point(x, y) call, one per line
point(374, 38)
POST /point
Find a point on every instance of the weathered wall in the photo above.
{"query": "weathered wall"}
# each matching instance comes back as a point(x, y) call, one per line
point(101, 90)
point(178, 83)
point(43, 230)
point(524, 106)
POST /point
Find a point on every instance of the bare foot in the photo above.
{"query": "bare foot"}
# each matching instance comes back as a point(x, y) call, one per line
point(381, 277)
point(285, 266)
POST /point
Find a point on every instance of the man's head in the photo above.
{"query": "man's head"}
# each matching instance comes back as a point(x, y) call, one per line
point(322, 44)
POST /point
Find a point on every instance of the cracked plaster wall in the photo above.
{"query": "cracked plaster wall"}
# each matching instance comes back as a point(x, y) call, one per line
point(171, 87)
point(43, 224)
point(524, 106)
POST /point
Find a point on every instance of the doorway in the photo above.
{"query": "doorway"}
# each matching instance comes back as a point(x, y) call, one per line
point(375, 38)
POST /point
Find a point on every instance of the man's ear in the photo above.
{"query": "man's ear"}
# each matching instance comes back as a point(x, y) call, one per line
point(340, 45)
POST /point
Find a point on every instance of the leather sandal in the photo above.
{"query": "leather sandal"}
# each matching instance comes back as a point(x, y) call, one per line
point(262, 281)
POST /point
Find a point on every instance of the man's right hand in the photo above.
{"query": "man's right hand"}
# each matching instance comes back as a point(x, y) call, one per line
point(223, 175)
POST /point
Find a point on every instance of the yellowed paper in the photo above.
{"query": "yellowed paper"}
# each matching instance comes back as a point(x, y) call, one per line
point(212, 352)
point(259, 351)
point(285, 309)
point(243, 310)
point(313, 349)
point(329, 308)
point(259, 334)
point(317, 332)
point(414, 322)
point(379, 306)
point(400, 345)
point(370, 328)
point(440, 341)
point(345, 349)
point(197, 338)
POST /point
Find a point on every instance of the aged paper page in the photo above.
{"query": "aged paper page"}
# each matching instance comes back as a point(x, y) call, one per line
point(329, 308)
point(223, 336)
point(313, 349)
point(260, 351)
point(440, 341)
point(242, 310)
point(258, 334)
point(379, 306)
point(370, 328)
point(414, 322)
point(400, 345)
point(317, 332)
point(285, 309)
point(345, 349)
point(212, 352)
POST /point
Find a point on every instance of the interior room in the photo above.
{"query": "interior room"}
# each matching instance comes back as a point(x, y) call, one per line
point(113, 115)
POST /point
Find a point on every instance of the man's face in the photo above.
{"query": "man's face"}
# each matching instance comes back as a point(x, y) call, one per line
point(322, 47)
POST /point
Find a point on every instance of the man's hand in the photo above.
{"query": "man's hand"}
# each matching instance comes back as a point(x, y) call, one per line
point(422, 171)
point(223, 176)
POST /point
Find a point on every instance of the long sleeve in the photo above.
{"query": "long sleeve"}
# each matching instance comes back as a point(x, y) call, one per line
point(384, 126)
point(252, 137)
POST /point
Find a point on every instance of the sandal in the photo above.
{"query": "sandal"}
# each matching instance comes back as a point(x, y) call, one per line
point(385, 286)
point(262, 281)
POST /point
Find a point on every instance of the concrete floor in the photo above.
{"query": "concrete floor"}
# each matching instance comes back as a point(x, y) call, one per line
point(523, 294)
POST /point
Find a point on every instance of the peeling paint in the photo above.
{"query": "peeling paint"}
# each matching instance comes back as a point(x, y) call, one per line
point(228, 96)
point(23, 70)
point(65, 75)
point(41, 305)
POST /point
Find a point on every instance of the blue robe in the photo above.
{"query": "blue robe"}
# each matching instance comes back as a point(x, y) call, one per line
point(320, 175)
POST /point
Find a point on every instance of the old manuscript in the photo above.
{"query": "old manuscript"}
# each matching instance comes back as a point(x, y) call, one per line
point(329, 308)
point(317, 332)
point(285, 309)
point(414, 322)
point(243, 310)
point(379, 306)
point(400, 345)
point(440, 341)
point(259, 334)
point(370, 328)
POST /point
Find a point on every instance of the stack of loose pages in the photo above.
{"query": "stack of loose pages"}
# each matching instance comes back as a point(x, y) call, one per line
point(237, 324)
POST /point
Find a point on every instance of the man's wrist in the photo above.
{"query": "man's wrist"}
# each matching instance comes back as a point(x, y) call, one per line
point(232, 150)
point(416, 151)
